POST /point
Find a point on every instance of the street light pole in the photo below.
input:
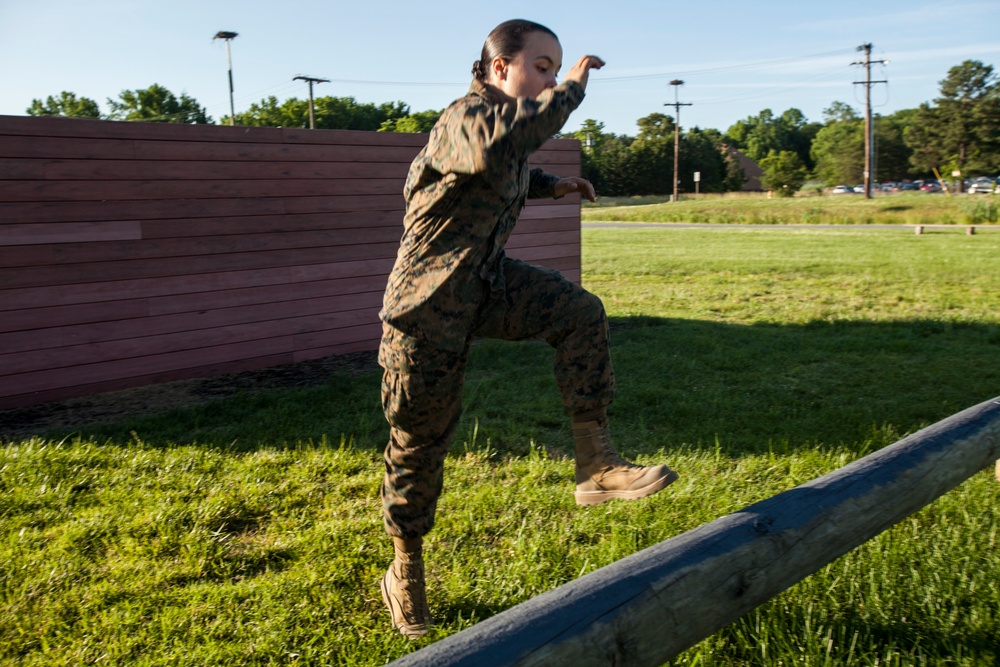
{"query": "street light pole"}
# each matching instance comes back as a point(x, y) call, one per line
point(228, 36)
point(676, 83)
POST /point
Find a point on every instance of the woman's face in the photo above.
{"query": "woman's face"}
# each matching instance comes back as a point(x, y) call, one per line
point(532, 70)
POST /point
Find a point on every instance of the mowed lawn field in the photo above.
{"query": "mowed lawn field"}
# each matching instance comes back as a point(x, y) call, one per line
point(247, 531)
point(916, 208)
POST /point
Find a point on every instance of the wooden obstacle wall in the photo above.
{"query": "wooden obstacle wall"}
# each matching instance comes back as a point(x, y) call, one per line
point(138, 253)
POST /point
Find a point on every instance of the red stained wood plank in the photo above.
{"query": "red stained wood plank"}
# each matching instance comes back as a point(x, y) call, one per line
point(11, 168)
point(111, 371)
point(66, 232)
point(368, 338)
point(183, 227)
point(252, 246)
point(90, 293)
point(70, 274)
point(31, 212)
point(58, 334)
point(67, 318)
point(531, 226)
point(106, 352)
point(77, 191)
point(553, 208)
point(543, 239)
point(161, 249)
point(82, 387)
point(29, 349)
point(188, 170)
point(139, 149)
point(538, 255)
point(368, 332)
point(80, 128)
point(83, 127)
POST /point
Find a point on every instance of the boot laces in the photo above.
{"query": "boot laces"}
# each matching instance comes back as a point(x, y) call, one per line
point(608, 454)
point(616, 460)
point(413, 591)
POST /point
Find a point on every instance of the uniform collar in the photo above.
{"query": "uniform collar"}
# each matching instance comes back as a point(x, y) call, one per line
point(486, 92)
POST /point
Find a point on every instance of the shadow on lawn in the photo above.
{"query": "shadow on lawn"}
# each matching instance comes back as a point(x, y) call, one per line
point(743, 388)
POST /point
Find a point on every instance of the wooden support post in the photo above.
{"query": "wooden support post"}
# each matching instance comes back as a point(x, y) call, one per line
point(918, 230)
point(970, 230)
point(645, 609)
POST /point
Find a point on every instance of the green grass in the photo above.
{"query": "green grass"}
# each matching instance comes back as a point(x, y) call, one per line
point(755, 209)
point(247, 531)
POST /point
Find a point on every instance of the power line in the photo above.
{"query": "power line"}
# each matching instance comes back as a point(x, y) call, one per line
point(723, 68)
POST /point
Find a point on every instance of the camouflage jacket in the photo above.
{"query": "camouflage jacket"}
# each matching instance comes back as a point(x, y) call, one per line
point(464, 193)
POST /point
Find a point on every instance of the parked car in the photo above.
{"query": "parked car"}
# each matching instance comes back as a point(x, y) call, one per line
point(842, 190)
point(909, 187)
point(930, 186)
point(982, 186)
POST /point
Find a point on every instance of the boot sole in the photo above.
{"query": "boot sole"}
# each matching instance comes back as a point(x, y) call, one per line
point(411, 631)
point(597, 497)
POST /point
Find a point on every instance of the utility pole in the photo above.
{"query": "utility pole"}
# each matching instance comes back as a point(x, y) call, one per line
point(228, 36)
point(311, 80)
point(868, 83)
point(676, 83)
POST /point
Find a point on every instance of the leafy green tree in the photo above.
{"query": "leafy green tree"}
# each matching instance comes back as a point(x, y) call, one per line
point(655, 127)
point(270, 113)
point(159, 105)
point(961, 130)
point(838, 149)
point(757, 136)
point(615, 164)
point(592, 139)
point(840, 112)
point(331, 113)
point(422, 121)
point(892, 155)
point(839, 152)
point(624, 165)
point(701, 152)
point(652, 156)
point(784, 173)
point(67, 104)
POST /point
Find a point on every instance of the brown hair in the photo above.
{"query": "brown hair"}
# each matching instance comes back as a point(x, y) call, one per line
point(505, 41)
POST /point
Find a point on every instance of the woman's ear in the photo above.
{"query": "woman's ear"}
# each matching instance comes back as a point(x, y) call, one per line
point(499, 68)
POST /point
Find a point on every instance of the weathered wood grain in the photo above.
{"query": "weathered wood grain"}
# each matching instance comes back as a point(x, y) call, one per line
point(133, 253)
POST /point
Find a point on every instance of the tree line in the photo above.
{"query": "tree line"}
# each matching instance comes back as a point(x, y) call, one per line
point(959, 130)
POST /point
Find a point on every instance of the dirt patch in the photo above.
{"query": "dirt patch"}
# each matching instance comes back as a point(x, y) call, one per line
point(115, 405)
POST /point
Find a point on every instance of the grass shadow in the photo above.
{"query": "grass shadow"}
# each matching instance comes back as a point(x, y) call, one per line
point(681, 383)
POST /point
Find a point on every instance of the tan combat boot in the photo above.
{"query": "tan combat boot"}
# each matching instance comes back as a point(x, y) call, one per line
point(404, 590)
point(602, 474)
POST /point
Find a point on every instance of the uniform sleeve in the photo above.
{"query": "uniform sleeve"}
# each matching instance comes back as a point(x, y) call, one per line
point(541, 184)
point(476, 135)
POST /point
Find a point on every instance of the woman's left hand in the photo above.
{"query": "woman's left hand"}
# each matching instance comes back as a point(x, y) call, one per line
point(575, 184)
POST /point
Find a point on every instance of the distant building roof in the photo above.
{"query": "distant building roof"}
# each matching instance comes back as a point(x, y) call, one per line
point(751, 170)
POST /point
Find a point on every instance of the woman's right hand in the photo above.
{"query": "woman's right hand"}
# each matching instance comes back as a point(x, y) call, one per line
point(580, 72)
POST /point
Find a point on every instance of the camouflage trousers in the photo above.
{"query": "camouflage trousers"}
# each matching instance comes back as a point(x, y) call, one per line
point(422, 384)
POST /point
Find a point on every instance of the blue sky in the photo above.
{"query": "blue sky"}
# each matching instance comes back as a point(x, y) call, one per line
point(736, 58)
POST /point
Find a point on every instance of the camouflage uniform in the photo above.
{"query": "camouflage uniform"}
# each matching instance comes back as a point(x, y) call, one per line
point(452, 282)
